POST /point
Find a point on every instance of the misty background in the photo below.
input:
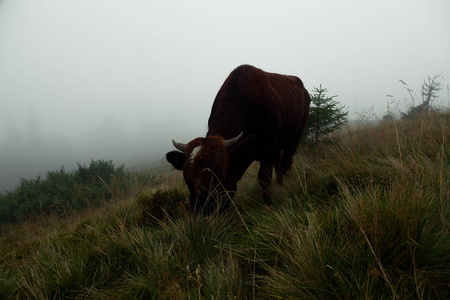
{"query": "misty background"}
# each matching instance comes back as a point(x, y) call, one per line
point(109, 79)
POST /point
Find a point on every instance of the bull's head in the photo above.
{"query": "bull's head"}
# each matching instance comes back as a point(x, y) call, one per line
point(211, 167)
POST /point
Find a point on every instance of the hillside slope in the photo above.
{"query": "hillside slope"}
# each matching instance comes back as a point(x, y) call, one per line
point(364, 216)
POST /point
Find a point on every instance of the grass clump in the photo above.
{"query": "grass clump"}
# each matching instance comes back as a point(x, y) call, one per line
point(386, 244)
point(162, 206)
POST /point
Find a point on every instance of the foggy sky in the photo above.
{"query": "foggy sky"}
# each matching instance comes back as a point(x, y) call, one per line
point(119, 80)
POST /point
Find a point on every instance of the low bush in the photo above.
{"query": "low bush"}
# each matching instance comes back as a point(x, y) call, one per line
point(61, 191)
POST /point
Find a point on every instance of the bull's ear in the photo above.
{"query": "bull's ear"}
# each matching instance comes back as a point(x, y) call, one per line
point(176, 158)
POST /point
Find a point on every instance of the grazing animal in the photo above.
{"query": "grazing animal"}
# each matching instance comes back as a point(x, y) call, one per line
point(256, 115)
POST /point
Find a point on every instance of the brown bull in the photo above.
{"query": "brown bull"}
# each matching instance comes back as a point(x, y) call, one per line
point(256, 116)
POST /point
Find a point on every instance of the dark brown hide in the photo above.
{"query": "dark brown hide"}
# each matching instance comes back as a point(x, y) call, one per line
point(270, 109)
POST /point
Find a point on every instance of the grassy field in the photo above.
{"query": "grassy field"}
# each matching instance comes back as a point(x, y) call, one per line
point(364, 216)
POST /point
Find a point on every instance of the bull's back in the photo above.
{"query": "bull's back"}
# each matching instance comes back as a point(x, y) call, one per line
point(271, 106)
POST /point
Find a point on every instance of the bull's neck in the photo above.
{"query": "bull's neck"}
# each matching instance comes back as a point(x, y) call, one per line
point(226, 122)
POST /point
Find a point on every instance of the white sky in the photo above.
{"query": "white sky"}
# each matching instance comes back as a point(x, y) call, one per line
point(119, 79)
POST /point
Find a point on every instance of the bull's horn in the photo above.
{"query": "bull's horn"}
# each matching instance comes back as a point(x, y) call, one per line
point(231, 142)
point(179, 146)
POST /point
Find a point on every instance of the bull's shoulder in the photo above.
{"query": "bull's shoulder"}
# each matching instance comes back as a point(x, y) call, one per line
point(247, 69)
point(295, 80)
point(248, 74)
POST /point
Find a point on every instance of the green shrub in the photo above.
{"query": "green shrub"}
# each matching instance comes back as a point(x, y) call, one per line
point(61, 191)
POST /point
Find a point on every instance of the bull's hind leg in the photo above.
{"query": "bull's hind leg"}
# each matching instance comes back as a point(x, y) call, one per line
point(278, 172)
point(286, 160)
point(265, 179)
